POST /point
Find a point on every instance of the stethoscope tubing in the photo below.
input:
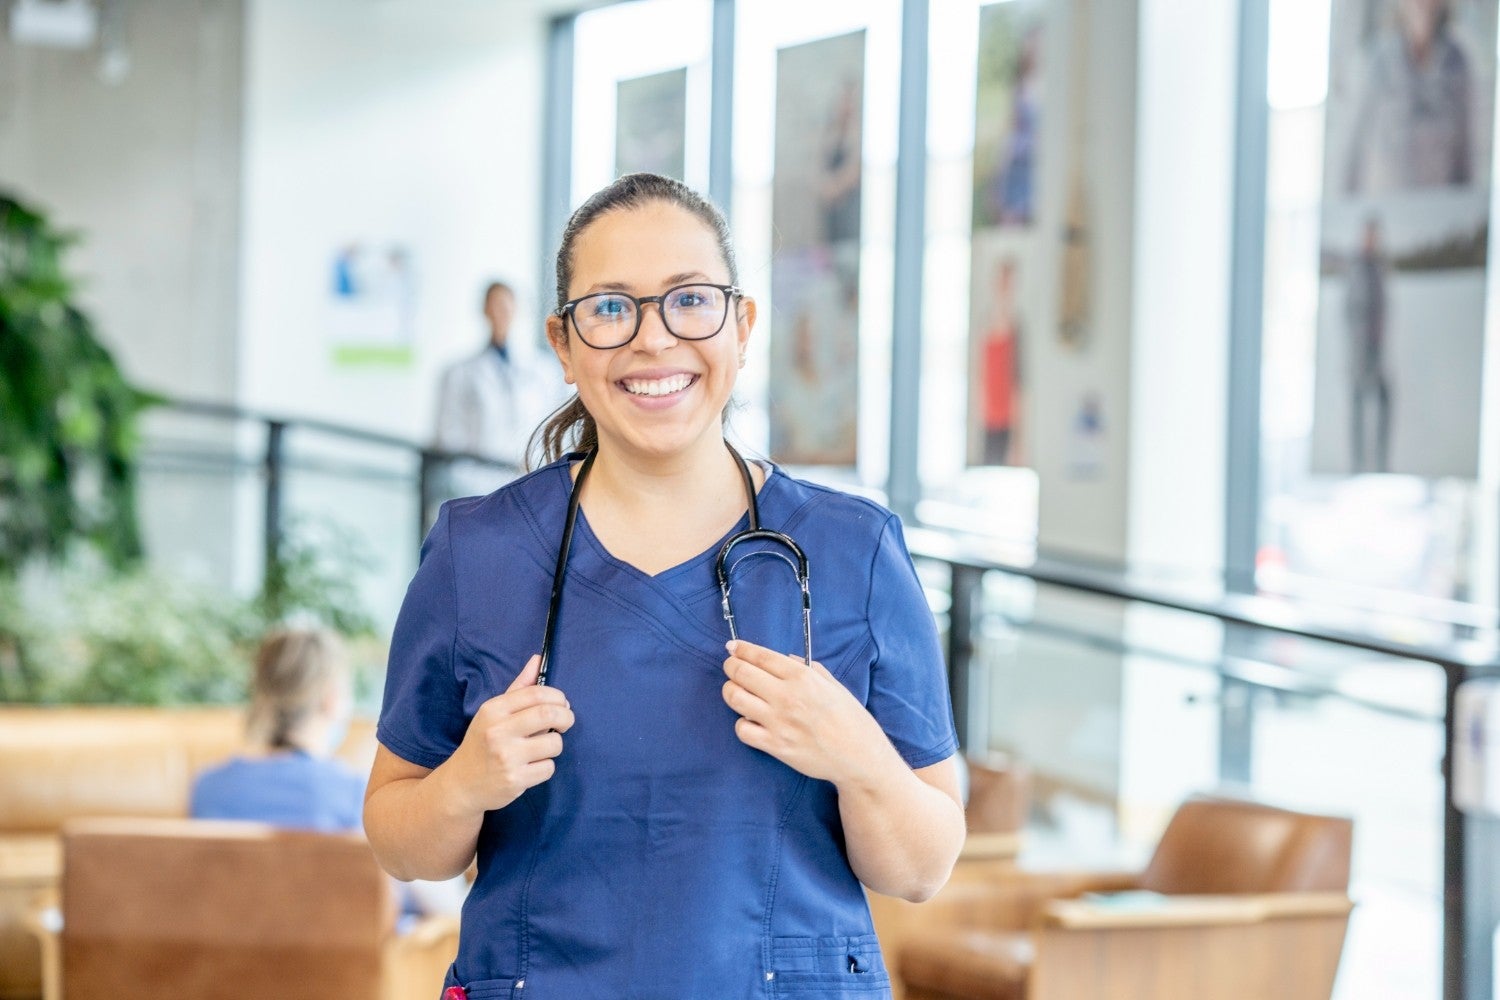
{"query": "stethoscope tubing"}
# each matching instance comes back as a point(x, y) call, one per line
point(559, 574)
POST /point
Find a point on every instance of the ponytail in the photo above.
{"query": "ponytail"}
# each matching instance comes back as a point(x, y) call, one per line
point(569, 428)
point(293, 671)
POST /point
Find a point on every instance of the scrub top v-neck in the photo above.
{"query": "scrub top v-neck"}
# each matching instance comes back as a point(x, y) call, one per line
point(664, 858)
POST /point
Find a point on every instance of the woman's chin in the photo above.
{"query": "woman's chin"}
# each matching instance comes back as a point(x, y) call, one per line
point(664, 438)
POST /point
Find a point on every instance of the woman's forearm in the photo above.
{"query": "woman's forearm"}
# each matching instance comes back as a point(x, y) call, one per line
point(418, 831)
point(425, 824)
point(903, 829)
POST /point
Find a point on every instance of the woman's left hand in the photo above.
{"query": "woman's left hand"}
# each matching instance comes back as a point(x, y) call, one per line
point(798, 713)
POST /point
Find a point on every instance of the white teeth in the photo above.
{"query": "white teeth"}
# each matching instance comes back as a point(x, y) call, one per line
point(657, 387)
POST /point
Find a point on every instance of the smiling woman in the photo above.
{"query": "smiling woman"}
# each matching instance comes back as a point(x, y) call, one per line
point(661, 818)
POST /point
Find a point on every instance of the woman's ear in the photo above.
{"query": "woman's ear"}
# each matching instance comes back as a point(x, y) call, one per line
point(745, 320)
point(557, 336)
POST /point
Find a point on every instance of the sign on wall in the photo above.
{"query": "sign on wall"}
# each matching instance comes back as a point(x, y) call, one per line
point(372, 304)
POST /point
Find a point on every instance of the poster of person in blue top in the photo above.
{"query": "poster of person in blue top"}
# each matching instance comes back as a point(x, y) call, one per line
point(689, 806)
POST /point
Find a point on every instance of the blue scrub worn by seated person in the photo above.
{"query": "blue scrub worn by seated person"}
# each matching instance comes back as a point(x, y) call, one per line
point(297, 791)
point(664, 858)
point(292, 789)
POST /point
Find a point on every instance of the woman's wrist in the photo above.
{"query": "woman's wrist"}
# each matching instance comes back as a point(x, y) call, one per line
point(450, 796)
point(870, 769)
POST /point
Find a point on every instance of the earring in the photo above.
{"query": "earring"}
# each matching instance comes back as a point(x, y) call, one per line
point(742, 359)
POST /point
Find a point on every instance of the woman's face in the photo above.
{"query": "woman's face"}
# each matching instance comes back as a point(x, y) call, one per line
point(1419, 20)
point(636, 393)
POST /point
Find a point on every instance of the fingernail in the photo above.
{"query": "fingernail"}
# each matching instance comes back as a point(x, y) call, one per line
point(729, 645)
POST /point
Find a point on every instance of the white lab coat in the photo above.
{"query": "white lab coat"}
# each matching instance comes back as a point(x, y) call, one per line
point(490, 407)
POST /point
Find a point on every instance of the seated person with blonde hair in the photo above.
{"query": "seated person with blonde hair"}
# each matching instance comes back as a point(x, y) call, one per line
point(300, 707)
point(299, 713)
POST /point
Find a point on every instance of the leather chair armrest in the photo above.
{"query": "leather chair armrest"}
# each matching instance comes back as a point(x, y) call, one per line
point(44, 921)
point(1184, 911)
point(1282, 945)
point(989, 846)
point(995, 895)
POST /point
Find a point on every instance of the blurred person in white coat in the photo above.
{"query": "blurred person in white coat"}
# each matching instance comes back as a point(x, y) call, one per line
point(490, 402)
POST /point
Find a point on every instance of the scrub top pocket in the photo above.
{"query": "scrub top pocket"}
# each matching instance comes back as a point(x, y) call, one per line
point(491, 989)
point(836, 968)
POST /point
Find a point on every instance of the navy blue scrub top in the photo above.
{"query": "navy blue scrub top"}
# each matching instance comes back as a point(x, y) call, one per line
point(664, 860)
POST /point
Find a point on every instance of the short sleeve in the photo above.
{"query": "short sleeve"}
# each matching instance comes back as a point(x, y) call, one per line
point(422, 714)
point(908, 681)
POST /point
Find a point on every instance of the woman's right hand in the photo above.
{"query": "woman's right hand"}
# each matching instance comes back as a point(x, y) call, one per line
point(510, 743)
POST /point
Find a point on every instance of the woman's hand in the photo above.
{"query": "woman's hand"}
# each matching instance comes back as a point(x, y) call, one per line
point(799, 713)
point(510, 743)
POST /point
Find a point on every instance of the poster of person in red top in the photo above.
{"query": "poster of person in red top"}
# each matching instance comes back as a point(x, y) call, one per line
point(998, 399)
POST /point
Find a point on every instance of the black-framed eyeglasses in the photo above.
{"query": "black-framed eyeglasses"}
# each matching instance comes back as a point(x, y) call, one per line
point(694, 311)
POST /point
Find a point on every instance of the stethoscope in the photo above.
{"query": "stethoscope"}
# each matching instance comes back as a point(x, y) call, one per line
point(723, 568)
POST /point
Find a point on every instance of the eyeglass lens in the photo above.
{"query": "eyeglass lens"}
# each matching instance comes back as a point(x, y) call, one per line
point(690, 312)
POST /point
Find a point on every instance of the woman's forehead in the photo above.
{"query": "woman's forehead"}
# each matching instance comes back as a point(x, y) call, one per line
point(646, 245)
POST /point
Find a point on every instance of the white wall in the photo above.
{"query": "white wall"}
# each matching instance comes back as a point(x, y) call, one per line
point(146, 170)
point(395, 122)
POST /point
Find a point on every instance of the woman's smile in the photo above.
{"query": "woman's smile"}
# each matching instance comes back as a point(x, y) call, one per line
point(656, 390)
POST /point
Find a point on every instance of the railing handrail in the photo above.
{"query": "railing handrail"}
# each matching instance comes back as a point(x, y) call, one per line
point(1268, 614)
point(233, 411)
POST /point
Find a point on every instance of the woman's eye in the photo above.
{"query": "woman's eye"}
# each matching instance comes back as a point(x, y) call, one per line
point(689, 300)
point(610, 308)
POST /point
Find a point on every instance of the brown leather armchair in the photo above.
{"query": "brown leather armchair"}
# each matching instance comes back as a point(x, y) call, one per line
point(60, 763)
point(166, 908)
point(1253, 904)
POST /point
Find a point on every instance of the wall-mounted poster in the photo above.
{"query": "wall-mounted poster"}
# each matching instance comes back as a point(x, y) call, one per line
point(651, 124)
point(815, 209)
point(1405, 231)
point(1008, 112)
point(998, 325)
point(372, 304)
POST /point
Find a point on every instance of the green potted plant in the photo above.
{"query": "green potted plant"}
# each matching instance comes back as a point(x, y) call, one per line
point(82, 618)
point(68, 432)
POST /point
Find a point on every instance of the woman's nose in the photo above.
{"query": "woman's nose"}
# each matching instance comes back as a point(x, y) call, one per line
point(654, 337)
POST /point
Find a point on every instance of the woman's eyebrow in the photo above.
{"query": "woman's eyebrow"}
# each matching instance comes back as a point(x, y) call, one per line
point(622, 286)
